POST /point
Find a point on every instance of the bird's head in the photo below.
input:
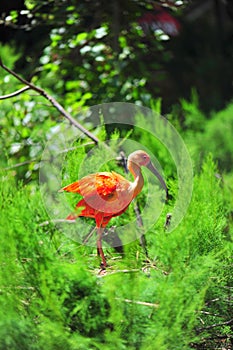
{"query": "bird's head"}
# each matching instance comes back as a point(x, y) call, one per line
point(141, 158)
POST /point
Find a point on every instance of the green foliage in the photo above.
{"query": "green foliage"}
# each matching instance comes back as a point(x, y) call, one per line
point(9, 56)
point(88, 52)
point(193, 117)
point(17, 333)
point(201, 231)
point(55, 297)
point(218, 138)
point(193, 255)
point(94, 52)
point(210, 136)
point(52, 301)
point(25, 125)
point(51, 294)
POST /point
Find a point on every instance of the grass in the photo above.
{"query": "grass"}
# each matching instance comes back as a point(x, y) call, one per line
point(53, 298)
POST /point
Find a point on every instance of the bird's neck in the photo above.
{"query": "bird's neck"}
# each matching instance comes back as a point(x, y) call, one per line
point(138, 178)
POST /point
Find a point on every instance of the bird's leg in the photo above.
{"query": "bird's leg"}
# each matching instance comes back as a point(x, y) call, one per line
point(99, 246)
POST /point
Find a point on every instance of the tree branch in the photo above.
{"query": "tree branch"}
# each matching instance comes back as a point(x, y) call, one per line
point(21, 164)
point(54, 103)
point(16, 93)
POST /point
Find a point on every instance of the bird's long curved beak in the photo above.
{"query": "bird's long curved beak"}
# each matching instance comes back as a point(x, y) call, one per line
point(154, 171)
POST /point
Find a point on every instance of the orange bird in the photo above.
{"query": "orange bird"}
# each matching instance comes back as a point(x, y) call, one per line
point(108, 194)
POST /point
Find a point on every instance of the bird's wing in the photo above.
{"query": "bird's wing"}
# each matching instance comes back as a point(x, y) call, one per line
point(105, 192)
point(103, 184)
point(106, 184)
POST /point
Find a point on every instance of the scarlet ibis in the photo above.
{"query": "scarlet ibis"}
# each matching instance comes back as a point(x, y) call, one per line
point(108, 194)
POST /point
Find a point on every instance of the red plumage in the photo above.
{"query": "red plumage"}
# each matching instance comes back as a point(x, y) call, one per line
point(108, 194)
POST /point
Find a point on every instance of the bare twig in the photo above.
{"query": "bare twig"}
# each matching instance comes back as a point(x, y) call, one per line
point(120, 271)
point(16, 93)
point(45, 223)
point(226, 323)
point(209, 313)
point(17, 165)
point(212, 301)
point(57, 105)
point(215, 337)
point(21, 164)
point(144, 303)
point(76, 147)
point(89, 235)
point(17, 287)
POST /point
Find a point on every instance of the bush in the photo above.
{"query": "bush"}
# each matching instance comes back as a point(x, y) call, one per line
point(17, 334)
point(213, 136)
point(50, 282)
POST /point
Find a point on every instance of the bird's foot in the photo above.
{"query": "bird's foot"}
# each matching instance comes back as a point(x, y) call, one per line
point(103, 265)
point(102, 270)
